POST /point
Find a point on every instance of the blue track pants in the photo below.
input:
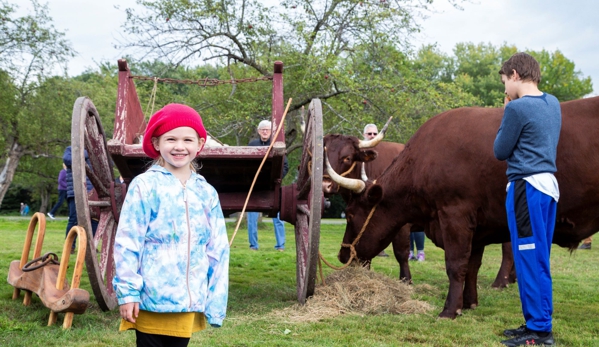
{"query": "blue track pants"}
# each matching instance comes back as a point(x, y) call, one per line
point(531, 220)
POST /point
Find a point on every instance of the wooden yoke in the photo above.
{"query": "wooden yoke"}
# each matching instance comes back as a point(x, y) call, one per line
point(37, 251)
point(73, 300)
point(47, 278)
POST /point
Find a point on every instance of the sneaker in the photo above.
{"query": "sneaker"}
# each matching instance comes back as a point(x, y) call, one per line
point(420, 256)
point(50, 215)
point(382, 254)
point(280, 249)
point(530, 338)
point(411, 256)
point(253, 249)
point(515, 332)
point(585, 246)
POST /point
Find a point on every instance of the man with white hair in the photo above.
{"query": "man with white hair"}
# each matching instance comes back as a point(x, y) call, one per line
point(370, 132)
point(265, 133)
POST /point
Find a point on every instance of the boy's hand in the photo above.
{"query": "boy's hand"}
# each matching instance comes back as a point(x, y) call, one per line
point(129, 311)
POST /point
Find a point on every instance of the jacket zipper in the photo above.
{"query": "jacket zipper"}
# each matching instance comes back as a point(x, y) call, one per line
point(188, 241)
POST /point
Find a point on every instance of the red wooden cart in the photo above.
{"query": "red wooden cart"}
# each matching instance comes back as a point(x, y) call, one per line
point(229, 169)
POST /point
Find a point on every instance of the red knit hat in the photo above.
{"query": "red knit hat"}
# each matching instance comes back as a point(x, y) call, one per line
point(168, 118)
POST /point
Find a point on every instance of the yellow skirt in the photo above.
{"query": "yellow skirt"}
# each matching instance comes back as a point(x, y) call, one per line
point(181, 324)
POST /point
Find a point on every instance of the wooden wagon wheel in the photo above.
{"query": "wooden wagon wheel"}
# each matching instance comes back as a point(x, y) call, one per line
point(309, 203)
point(103, 203)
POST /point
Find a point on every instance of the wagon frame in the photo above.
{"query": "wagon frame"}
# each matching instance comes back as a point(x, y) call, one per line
point(230, 169)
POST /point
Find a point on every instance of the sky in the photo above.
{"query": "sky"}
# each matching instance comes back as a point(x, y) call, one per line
point(94, 26)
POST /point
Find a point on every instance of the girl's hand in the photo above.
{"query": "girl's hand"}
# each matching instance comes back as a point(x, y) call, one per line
point(129, 311)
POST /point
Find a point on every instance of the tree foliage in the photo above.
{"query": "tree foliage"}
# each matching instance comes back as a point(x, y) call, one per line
point(475, 69)
point(353, 55)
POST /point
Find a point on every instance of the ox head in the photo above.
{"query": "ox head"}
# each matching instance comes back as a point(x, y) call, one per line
point(368, 225)
point(346, 155)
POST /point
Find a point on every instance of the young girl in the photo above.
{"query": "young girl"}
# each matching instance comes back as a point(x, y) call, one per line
point(171, 248)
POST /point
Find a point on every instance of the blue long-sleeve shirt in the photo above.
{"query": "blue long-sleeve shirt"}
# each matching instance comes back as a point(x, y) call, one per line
point(528, 136)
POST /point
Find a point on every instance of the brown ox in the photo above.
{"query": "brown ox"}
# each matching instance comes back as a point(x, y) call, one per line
point(347, 154)
point(448, 180)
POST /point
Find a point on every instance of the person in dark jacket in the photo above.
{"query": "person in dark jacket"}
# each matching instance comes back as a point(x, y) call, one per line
point(265, 133)
point(62, 191)
point(67, 160)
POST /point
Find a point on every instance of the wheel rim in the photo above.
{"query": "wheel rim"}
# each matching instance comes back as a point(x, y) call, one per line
point(309, 205)
point(87, 134)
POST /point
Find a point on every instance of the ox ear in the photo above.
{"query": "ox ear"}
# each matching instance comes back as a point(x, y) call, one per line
point(368, 155)
point(374, 194)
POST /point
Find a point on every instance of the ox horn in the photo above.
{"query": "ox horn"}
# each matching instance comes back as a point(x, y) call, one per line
point(355, 185)
point(363, 172)
point(377, 139)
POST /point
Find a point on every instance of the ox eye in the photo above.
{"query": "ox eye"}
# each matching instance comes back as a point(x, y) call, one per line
point(346, 160)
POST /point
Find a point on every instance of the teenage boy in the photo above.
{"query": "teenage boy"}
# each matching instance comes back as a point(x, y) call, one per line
point(527, 139)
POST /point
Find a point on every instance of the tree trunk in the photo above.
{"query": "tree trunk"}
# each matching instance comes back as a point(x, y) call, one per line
point(45, 200)
point(7, 172)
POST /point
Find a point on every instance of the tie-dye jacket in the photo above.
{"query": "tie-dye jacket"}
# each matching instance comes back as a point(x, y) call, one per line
point(171, 248)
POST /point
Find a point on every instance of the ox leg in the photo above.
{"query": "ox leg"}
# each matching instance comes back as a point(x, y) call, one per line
point(401, 250)
point(470, 290)
point(507, 271)
point(457, 231)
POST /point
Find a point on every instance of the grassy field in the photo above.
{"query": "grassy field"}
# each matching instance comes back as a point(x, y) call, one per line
point(262, 284)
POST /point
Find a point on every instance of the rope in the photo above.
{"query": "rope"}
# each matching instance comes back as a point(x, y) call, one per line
point(152, 98)
point(258, 172)
point(206, 82)
point(320, 271)
point(352, 249)
point(48, 258)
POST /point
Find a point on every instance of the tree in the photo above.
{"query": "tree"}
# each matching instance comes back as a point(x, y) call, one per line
point(315, 39)
point(475, 69)
point(30, 47)
point(559, 77)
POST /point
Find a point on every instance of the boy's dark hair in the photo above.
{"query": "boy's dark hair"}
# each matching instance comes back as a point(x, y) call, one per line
point(525, 65)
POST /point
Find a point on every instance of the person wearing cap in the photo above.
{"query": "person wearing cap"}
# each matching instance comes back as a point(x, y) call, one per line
point(171, 249)
point(264, 138)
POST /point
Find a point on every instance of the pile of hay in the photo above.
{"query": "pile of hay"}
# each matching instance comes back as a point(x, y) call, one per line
point(355, 290)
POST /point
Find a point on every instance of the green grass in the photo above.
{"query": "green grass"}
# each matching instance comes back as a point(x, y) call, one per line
point(263, 282)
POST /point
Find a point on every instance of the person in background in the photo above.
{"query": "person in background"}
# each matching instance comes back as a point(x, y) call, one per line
point(171, 249)
point(586, 243)
point(22, 208)
point(62, 191)
point(417, 238)
point(68, 160)
point(264, 138)
point(25, 211)
point(527, 140)
point(370, 132)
